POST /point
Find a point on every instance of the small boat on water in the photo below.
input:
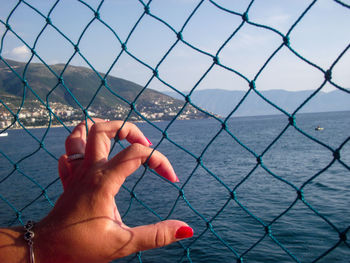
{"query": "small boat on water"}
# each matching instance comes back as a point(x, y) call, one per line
point(318, 128)
point(4, 134)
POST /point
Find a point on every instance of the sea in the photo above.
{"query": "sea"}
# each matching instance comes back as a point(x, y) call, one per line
point(241, 210)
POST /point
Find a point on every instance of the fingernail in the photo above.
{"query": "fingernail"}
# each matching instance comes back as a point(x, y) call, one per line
point(150, 143)
point(184, 232)
point(177, 179)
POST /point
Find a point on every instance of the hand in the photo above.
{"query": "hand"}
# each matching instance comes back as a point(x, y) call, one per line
point(85, 225)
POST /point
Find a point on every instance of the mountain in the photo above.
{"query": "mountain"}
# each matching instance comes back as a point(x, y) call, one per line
point(222, 102)
point(83, 83)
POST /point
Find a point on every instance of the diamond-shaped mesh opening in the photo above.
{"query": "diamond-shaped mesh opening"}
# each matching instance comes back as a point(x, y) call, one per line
point(183, 59)
point(155, 42)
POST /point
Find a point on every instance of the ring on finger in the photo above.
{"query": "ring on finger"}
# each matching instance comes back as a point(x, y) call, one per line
point(76, 156)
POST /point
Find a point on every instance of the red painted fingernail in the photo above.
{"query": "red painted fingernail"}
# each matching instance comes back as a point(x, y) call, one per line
point(184, 232)
point(150, 143)
point(177, 179)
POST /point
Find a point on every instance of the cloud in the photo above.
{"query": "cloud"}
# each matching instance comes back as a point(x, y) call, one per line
point(21, 51)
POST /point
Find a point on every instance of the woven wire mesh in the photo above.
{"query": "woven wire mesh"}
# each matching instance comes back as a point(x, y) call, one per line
point(41, 143)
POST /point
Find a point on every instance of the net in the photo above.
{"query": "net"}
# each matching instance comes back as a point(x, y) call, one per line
point(14, 163)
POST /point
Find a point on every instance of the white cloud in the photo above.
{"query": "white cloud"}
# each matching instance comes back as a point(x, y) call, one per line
point(21, 51)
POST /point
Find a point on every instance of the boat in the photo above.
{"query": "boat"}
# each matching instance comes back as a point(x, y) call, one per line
point(4, 134)
point(318, 128)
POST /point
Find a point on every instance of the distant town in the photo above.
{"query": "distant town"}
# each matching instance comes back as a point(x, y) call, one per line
point(39, 116)
point(35, 114)
point(46, 100)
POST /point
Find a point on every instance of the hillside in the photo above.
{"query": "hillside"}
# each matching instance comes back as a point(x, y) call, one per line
point(108, 101)
point(222, 102)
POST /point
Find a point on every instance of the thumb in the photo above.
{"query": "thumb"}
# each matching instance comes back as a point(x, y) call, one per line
point(160, 234)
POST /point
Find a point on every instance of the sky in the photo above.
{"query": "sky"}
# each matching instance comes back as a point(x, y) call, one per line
point(320, 37)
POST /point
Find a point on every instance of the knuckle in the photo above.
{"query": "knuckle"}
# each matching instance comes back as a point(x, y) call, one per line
point(124, 129)
point(96, 128)
point(137, 147)
point(160, 237)
point(130, 125)
point(141, 151)
point(73, 134)
point(69, 139)
point(94, 183)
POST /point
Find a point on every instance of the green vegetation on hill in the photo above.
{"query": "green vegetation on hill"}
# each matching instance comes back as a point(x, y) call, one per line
point(110, 98)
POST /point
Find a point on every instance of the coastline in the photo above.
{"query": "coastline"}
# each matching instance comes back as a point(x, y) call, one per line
point(56, 126)
point(37, 127)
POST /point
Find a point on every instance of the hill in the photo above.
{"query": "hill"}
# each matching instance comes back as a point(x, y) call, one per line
point(108, 100)
point(222, 102)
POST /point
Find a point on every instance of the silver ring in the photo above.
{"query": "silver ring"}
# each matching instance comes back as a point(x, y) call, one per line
point(76, 156)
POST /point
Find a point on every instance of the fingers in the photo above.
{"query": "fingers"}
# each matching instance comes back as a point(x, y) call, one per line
point(64, 171)
point(98, 143)
point(129, 160)
point(97, 146)
point(76, 141)
point(74, 144)
point(160, 234)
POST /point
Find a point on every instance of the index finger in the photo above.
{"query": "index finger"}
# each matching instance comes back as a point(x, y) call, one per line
point(100, 135)
point(129, 160)
point(76, 141)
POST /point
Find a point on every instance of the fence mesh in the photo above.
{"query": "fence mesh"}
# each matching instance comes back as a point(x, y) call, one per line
point(15, 163)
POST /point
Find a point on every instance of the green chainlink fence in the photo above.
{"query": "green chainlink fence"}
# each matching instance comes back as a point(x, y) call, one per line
point(291, 120)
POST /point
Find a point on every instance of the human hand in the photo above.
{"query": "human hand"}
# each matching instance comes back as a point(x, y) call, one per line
point(85, 224)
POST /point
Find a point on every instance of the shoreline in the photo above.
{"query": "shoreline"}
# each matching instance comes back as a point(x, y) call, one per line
point(56, 126)
point(38, 127)
point(143, 121)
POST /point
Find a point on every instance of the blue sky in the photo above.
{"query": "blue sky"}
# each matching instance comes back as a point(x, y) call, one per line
point(319, 37)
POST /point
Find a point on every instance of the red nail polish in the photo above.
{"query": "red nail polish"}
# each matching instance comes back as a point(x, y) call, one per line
point(184, 232)
point(150, 143)
point(177, 179)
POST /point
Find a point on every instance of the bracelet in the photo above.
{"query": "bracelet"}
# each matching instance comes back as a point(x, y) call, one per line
point(28, 236)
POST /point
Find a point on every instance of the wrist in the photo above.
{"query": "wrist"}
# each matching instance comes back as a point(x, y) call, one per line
point(43, 243)
point(47, 247)
point(13, 246)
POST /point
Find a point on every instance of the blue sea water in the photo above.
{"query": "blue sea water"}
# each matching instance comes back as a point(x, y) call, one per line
point(227, 226)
